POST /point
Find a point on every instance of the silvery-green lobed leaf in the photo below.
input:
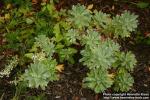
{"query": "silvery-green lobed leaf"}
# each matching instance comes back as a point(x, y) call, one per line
point(125, 60)
point(79, 16)
point(123, 82)
point(44, 43)
point(71, 36)
point(124, 24)
point(40, 73)
point(102, 19)
point(100, 56)
point(97, 80)
point(92, 38)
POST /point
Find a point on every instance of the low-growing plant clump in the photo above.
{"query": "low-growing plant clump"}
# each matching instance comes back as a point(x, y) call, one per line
point(46, 38)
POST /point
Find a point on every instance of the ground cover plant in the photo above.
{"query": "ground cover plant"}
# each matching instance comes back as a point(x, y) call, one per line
point(48, 38)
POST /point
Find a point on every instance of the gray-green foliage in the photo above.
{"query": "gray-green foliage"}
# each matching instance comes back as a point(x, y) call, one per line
point(40, 73)
point(123, 82)
point(102, 57)
point(79, 16)
point(125, 60)
point(120, 25)
point(91, 38)
point(99, 56)
point(123, 24)
point(58, 36)
point(44, 43)
point(102, 53)
point(102, 19)
point(98, 80)
point(124, 64)
point(43, 68)
point(71, 36)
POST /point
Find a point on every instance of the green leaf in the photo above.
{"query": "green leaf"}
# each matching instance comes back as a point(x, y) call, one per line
point(142, 5)
point(29, 55)
point(59, 46)
point(67, 54)
point(58, 36)
point(29, 21)
point(50, 8)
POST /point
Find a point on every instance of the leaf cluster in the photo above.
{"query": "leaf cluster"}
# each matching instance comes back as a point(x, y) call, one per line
point(79, 16)
point(49, 37)
point(40, 73)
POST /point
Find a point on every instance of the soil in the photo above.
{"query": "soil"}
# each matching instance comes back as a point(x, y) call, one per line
point(69, 87)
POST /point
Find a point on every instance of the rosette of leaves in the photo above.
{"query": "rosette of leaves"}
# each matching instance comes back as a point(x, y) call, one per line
point(102, 19)
point(113, 46)
point(40, 73)
point(91, 38)
point(45, 44)
point(98, 80)
point(125, 60)
point(79, 16)
point(123, 82)
point(100, 56)
point(67, 54)
point(71, 37)
point(123, 24)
